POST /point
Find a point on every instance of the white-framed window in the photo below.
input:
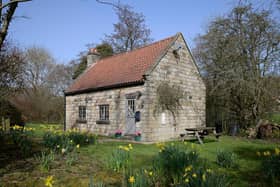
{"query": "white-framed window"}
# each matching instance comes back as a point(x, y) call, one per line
point(82, 113)
point(104, 112)
point(131, 105)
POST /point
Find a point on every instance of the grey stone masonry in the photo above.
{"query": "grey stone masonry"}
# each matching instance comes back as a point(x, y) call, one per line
point(178, 69)
point(181, 71)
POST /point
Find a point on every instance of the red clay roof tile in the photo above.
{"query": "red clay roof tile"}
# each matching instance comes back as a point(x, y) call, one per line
point(120, 69)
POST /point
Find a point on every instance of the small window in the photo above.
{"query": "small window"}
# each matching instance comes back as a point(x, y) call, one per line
point(82, 113)
point(104, 112)
point(131, 105)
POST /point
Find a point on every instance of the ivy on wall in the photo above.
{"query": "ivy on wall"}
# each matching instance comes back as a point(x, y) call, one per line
point(169, 98)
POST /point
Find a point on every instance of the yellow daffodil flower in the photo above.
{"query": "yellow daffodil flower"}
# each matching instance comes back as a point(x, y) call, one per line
point(49, 181)
point(204, 177)
point(131, 179)
point(277, 151)
point(189, 168)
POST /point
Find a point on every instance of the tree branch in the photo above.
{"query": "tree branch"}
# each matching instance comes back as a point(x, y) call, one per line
point(7, 17)
point(11, 2)
point(109, 3)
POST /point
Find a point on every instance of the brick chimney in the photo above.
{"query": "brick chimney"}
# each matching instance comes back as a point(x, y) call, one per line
point(92, 57)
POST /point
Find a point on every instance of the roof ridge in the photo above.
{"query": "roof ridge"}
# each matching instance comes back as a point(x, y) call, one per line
point(154, 43)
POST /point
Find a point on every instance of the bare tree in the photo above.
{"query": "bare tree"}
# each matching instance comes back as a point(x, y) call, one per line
point(130, 32)
point(42, 98)
point(238, 56)
point(11, 70)
point(7, 10)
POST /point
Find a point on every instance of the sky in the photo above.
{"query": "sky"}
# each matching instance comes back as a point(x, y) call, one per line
point(64, 27)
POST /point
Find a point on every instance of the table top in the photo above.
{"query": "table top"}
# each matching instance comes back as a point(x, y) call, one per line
point(199, 128)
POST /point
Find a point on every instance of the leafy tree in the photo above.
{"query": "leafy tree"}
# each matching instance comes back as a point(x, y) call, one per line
point(105, 50)
point(239, 58)
point(80, 67)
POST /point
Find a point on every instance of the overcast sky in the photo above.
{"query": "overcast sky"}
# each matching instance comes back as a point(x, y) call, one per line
point(64, 27)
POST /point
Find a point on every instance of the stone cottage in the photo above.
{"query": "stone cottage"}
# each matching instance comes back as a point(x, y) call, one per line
point(121, 92)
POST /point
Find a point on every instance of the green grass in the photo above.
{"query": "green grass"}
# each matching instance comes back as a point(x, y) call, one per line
point(92, 161)
point(275, 118)
point(40, 129)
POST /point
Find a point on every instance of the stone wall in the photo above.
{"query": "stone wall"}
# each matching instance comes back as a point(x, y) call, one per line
point(116, 99)
point(182, 72)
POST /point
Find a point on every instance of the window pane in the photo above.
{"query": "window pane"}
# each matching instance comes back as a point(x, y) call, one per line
point(104, 112)
point(82, 112)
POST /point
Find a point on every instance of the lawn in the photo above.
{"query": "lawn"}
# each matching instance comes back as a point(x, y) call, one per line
point(93, 161)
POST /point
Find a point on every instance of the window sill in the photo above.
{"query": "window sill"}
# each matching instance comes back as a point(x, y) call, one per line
point(106, 122)
point(81, 121)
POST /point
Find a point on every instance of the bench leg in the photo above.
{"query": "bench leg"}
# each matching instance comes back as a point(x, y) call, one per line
point(198, 137)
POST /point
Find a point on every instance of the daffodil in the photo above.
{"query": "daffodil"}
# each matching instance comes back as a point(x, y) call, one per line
point(49, 181)
point(151, 173)
point(258, 153)
point(266, 153)
point(63, 150)
point(194, 175)
point(192, 146)
point(208, 170)
point(277, 151)
point(78, 146)
point(130, 146)
point(131, 179)
point(189, 168)
point(204, 177)
point(187, 180)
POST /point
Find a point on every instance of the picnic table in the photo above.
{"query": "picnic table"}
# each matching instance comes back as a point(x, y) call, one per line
point(200, 132)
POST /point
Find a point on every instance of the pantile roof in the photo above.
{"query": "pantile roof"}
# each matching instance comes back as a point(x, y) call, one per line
point(123, 69)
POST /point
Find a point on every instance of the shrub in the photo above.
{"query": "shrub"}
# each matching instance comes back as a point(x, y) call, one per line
point(45, 159)
point(120, 158)
point(82, 138)
point(226, 159)
point(21, 138)
point(171, 162)
point(201, 177)
point(135, 178)
point(58, 140)
point(270, 165)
